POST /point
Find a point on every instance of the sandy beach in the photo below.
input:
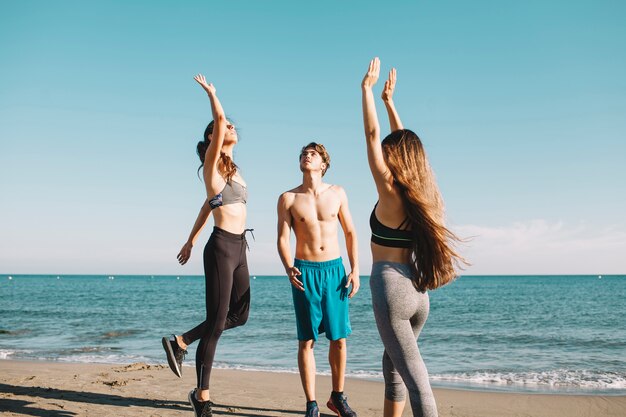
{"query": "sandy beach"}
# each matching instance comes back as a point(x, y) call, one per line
point(64, 389)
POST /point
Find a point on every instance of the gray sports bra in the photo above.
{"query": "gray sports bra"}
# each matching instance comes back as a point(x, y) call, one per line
point(233, 192)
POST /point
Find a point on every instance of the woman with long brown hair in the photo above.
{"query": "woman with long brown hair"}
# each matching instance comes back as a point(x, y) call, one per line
point(225, 265)
point(412, 249)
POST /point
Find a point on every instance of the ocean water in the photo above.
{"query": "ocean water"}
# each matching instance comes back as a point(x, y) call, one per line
point(518, 333)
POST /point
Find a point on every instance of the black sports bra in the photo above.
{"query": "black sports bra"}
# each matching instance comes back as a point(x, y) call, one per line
point(233, 192)
point(386, 236)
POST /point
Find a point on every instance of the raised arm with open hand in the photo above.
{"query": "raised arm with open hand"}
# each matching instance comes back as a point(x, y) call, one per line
point(208, 87)
point(387, 96)
point(214, 149)
point(372, 74)
point(377, 164)
point(390, 85)
point(370, 120)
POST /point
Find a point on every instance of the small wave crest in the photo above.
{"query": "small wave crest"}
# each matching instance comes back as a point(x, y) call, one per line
point(119, 334)
point(255, 368)
point(554, 379)
point(103, 358)
point(259, 368)
point(11, 354)
point(13, 332)
point(87, 349)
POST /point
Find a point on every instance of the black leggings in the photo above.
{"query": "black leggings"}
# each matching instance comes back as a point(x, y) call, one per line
point(227, 297)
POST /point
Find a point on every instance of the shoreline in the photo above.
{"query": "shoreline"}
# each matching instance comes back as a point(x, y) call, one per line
point(436, 384)
point(79, 389)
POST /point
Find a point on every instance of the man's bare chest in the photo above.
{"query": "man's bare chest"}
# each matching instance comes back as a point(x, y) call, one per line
point(307, 209)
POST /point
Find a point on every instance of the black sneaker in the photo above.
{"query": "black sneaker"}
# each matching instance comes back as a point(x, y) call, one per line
point(312, 410)
point(339, 405)
point(200, 408)
point(175, 355)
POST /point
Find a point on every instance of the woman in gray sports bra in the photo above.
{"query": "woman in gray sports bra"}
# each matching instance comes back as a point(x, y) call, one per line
point(411, 249)
point(227, 278)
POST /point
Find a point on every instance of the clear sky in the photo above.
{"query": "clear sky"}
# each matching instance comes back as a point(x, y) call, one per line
point(521, 107)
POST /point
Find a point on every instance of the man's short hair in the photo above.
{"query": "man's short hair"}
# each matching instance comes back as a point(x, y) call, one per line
point(320, 149)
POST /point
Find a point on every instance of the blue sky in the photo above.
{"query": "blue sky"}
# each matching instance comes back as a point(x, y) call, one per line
point(521, 107)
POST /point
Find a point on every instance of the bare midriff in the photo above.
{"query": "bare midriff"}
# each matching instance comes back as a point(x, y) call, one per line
point(384, 253)
point(231, 217)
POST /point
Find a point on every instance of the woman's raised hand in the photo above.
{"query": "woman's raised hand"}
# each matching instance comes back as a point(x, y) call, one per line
point(373, 72)
point(390, 86)
point(202, 81)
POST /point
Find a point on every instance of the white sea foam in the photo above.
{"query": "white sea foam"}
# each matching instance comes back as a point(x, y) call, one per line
point(555, 379)
point(365, 374)
point(13, 354)
point(4, 353)
point(112, 359)
point(256, 368)
point(293, 370)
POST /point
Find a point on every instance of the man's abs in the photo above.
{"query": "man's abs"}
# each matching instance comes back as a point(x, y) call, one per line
point(317, 249)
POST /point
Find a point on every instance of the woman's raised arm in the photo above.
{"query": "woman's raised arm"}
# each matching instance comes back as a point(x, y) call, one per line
point(377, 164)
point(390, 85)
point(219, 130)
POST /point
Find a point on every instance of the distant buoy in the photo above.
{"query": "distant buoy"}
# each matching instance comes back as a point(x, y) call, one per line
point(177, 277)
point(10, 277)
point(599, 276)
point(254, 277)
point(58, 277)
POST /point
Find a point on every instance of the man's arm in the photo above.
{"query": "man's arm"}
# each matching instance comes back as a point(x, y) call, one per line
point(284, 233)
point(345, 219)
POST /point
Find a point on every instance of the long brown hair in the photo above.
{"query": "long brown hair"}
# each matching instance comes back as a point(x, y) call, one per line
point(225, 165)
point(433, 258)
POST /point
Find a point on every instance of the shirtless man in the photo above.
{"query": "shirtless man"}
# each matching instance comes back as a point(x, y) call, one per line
point(319, 282)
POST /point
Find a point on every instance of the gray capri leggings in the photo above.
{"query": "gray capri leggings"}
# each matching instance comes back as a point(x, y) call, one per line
point(401, 312)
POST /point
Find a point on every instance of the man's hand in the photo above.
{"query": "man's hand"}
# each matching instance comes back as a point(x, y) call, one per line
point(292, 273)
point(355, 280)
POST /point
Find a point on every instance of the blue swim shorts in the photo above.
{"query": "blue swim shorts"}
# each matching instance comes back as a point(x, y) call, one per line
point(323, 305)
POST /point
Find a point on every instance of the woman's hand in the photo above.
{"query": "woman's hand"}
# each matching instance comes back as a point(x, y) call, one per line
point(372, 74)
point(185, 253)
point(210, 90)
point(390, 86)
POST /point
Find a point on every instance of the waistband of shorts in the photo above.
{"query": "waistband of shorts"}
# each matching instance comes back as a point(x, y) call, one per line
point(312, 264)
point(402, 268)
point(228, 235)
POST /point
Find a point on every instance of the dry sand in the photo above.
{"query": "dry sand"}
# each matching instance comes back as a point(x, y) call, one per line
point(60, 390)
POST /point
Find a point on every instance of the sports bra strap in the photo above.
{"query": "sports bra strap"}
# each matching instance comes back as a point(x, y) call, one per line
point(405, 221)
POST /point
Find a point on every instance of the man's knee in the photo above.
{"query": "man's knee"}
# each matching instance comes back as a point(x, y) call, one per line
point(304, 345)
point(339, 344)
